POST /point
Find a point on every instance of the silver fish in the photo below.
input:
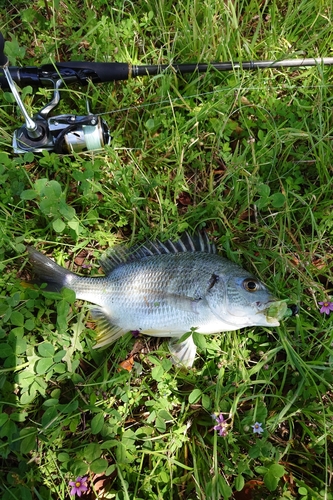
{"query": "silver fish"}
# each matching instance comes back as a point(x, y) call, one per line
point(165, 290)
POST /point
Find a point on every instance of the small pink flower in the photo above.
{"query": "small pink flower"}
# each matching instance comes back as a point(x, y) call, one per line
point(78, 486)
point(221, 425)
point(326, 307)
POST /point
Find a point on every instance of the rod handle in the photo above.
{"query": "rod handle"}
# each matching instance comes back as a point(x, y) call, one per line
point(3, 58)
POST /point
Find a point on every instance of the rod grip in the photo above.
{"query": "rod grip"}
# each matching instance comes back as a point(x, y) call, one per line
point(3, 58)
point(97, 72)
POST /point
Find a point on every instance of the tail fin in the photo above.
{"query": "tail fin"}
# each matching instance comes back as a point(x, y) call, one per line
point(47, 271)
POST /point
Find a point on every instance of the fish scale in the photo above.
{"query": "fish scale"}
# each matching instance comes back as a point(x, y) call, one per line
point(166, 290)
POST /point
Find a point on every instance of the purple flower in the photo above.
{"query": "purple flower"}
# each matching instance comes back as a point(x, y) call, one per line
point(86, 266)
point(326, 307)
point(257, 428)
point(221, 425)
point(78, 486)
point(135, 333)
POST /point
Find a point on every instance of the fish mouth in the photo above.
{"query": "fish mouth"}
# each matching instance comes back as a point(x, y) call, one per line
point(275, 310)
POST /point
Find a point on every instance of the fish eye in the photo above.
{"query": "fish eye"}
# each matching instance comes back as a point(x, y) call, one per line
point(251, 285)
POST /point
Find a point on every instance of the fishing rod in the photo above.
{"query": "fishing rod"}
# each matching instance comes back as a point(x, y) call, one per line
point(67, 133)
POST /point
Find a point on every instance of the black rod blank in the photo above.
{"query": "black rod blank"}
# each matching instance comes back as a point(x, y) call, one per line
point(83, 72)
point(229, 66)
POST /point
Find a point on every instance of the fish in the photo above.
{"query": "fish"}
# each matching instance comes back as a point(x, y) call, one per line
point(167, 289)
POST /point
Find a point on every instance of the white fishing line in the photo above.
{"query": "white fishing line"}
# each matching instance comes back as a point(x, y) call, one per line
point(240, 90)
point(283, 87)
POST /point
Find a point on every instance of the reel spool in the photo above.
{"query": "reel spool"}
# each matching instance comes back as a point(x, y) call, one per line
point(87, 137)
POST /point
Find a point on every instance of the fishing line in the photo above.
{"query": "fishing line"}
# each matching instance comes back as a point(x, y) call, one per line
point(210, 106)
point(212, 92)
point(217, 92)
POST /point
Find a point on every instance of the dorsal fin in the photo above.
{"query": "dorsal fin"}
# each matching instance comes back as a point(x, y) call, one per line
point(120, 255)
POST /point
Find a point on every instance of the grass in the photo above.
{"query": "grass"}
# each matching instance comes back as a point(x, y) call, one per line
point(246, 156)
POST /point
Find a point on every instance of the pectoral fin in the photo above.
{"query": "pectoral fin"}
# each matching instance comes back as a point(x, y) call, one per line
point(188, 304)
point(183, 353)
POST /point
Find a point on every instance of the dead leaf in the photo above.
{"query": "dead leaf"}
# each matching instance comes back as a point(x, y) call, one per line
point(247, 492)
point(184, 199)
point(127, 364)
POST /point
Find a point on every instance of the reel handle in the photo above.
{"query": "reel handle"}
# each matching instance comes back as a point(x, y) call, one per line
point(34, 131)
